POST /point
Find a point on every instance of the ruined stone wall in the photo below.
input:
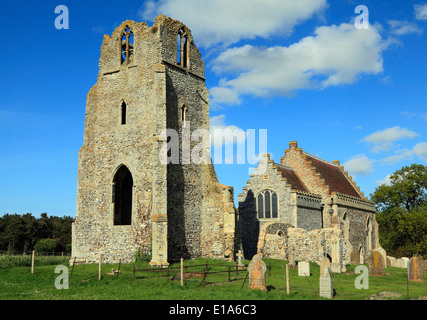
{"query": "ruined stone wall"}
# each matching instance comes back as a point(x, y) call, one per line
point(108, 144)
point(175, 207)
point(313, 245)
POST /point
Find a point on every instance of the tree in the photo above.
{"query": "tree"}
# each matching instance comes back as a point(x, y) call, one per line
point(402, 211)
point(21, 233)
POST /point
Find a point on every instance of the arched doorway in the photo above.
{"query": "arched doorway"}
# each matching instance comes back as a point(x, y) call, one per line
point(122, 196)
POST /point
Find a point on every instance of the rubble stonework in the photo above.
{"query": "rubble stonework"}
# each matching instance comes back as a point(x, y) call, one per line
point(144, 86)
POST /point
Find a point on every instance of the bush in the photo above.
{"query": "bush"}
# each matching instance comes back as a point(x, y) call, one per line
point(46, 246)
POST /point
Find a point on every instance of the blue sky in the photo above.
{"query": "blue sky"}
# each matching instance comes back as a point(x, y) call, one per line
point(300, 69)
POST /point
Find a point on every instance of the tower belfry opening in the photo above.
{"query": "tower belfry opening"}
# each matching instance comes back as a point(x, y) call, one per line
point(127, 45)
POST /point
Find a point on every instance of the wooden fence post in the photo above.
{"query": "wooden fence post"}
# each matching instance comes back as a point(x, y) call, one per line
point(287, 279)
point(74, 263)
point(32, 262)
point(182, 272)
point(100, 267)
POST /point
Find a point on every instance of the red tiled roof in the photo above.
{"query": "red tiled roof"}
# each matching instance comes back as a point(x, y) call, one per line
point(334, 177)
point(291, 177)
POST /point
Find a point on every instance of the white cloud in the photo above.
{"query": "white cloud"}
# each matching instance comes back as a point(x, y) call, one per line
point(227, 22)
point(359, 164)
point(421, 11)
point(383, 140)
point(335, 55)
point(411, 115)
point(420, 150)
point(404, 27)
point(386, 181)
point(223, 134)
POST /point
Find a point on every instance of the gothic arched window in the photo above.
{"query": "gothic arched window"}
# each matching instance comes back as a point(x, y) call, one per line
point(122, 196)
point(267, 205)
point(182, 48)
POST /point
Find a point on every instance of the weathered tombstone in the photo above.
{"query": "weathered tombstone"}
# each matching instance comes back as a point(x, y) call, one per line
point(303, 268)
point(240, 259)
point(324, 263)
point(406, 261)
point(415, 270)
point(326, 284)
point(392, 261)
point(256, 271)
point(383, 253)
point(376, 264)
point(355, 258)
point(399, 263)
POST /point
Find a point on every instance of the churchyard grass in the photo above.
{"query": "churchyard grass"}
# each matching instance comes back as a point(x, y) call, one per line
point(17, 283)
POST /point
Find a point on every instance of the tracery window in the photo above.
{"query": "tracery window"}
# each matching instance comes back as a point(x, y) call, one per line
point(267, 205)
point(127, 45)
point(182, 48)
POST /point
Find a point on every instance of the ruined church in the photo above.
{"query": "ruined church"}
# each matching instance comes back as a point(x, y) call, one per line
point(152, 79)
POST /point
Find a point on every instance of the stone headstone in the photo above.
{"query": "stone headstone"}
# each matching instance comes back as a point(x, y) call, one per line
point(406, 261)
point(415, 270)
point(324, 263)
point(399, 263)
point(256, 271)
point(392, 261)
point(376, 264)
point(240, 259)
point(383, 253)
point(355, 258)
point(326, 284)
point(304, 268)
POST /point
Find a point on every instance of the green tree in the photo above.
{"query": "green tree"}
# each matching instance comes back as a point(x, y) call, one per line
point(402, 211)
point(46, 246)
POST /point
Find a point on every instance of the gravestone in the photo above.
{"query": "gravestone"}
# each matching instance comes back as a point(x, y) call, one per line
point(256, 271)
point(376, 264)
point(406, 261)
point(399, 263)
point(415, 270)
point(304, 268)
point(324, 263)
point(383, 254)
point(326, 284)
point(240, 260)
point(392, 261)
point(355, 258)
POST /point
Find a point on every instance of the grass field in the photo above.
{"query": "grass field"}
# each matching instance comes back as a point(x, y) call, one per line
point(17, 283)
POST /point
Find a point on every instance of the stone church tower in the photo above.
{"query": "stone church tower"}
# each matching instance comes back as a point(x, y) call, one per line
point(150, 79)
